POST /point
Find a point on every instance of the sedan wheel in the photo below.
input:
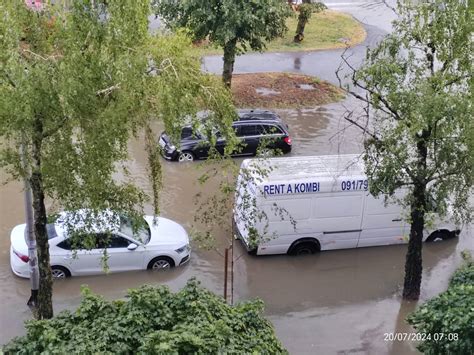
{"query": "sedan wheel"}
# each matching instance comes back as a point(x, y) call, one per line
point(161, 263)
point(185, 157)
point(59, 273)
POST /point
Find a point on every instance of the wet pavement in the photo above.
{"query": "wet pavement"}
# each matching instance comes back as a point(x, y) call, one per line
point(336, 302)
point(375, 17)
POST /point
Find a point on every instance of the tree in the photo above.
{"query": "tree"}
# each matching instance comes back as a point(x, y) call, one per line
point(75, 86)
point(306, 10)
point(234, 25)
point(153, 320)
point(417, 91)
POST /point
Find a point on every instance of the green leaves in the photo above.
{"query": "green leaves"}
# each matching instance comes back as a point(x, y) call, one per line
point(450, 316)
point(153, 320)
point(417, 81)
point(251, 23)
point(82, 82)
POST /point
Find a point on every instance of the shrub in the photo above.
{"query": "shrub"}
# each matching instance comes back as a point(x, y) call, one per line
point(449, 318)
point(152, 320)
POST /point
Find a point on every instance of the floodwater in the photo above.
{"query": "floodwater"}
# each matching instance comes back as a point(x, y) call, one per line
point(334, 302)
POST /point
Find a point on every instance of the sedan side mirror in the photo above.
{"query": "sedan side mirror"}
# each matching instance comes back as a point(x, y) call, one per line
point(132, 246)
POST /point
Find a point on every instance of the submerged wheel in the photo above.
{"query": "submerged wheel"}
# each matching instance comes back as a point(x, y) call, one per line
point(59, 272)
point(304, 248)
point(185, 157)
point(160, 263)
point(439, 235)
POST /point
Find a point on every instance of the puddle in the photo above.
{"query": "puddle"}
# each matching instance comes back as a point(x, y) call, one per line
point(267, 92)
point(306, 86)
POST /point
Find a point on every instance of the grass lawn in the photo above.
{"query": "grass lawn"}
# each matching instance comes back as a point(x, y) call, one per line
point(326, 30)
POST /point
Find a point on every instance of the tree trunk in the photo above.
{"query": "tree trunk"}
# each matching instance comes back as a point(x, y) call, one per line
point(414, 262)
point(303, 17)
point(302, 20)
point(45, 304)
point(229, 59)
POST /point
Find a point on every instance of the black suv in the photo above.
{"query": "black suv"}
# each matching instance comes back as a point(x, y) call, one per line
point(252, 127)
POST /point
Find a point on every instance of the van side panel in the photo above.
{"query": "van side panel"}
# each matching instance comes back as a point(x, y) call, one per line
point(381, 225)
point(338, 216)
point(334, 219)
point(278, 227)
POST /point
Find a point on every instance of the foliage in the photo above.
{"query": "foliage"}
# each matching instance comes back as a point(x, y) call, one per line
point(234, 25)
point(93, 84)
point(449, 315)
point(417, 91)
point(327, 30)
point(77, 81)
point(464, 275)
point(152, 320)
point(417, 81)
point(252, 23)
point(306, 10)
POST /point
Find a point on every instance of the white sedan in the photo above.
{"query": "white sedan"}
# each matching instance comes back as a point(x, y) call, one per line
point(159, 244)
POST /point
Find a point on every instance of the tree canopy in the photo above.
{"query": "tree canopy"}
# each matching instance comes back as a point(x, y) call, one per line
point(77, 81)
point(416, 85)
point(152, 320)
point(234, 25)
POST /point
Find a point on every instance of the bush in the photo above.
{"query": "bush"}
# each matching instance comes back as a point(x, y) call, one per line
point(449, 317)
point(464, 275)
point(153, 320)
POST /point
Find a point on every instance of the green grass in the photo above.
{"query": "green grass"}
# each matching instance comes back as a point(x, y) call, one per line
point(326, 30)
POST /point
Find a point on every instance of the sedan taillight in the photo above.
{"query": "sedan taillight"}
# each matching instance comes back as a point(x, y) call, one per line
point(287, 140)
point(23, 258)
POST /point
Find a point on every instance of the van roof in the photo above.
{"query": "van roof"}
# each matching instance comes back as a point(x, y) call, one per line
point(300, 168)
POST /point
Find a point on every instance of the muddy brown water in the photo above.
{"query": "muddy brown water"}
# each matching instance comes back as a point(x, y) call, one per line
point(336, 302)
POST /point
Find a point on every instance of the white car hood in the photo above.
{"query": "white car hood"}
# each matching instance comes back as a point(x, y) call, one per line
point(166, 232)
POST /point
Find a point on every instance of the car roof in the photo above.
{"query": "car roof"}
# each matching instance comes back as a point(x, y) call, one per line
point(85, 220)
point(257, 114)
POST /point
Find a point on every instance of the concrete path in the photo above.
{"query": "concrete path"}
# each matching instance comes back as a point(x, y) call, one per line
point(374, 15)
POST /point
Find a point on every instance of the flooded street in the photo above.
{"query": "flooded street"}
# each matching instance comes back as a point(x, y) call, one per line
point(334, 302)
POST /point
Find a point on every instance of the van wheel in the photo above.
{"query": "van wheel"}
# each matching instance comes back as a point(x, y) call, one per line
point(439, 235)
point(305, 248)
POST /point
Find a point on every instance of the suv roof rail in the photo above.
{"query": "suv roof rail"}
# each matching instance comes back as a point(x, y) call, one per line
point(257, 114)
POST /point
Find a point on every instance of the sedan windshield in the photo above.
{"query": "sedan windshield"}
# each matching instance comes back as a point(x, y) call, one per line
point(139, 232)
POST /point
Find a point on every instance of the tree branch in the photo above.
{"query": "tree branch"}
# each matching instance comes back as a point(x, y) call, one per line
point(108, 91)
point(391, 111)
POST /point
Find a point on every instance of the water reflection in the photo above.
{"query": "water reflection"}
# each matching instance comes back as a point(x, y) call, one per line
point(354, 275)
point(297, 63)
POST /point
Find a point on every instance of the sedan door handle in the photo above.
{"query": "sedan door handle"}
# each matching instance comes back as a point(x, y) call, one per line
point(397, 220)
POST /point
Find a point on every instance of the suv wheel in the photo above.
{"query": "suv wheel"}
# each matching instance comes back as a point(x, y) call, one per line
point(185, 157)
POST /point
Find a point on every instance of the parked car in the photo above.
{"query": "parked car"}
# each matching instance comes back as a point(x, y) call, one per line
point(252, 127)
point(159, 244)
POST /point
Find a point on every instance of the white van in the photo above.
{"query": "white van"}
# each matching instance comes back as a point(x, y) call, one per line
point(316, 203)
